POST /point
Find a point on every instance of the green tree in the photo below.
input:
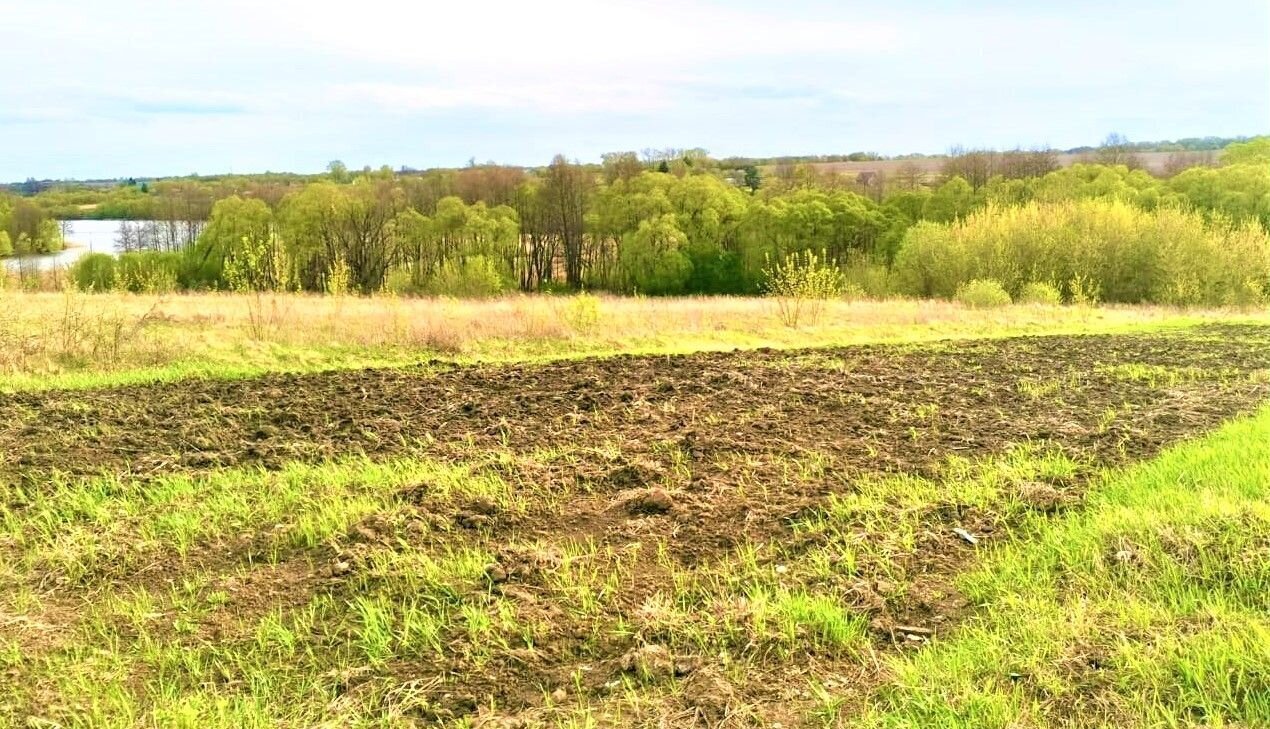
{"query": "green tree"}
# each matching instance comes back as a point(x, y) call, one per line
point(235, 222)
point(1253, 151)
point(461, 247)
point(338, 172)
point(653, 259)
point(325, 225)
point(952, 200)
point(1239, 191)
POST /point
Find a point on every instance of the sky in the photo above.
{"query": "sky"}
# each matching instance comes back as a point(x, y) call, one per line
point(120, 88)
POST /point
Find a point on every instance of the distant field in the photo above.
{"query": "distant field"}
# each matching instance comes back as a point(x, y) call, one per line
point(1155, 162)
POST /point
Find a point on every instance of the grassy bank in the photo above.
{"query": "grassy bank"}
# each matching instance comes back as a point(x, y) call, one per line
point(70, 340)
point(1148, 608)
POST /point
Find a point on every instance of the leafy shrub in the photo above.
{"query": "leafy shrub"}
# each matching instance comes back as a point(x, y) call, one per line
point(1037, 292)
point(931, 262)
point(400, 281)
point(258, 264)
point(475, 277)
point(867, 279)
point(1098, 249)
point(148, 272)
point(982, 294)
point(339, 277)
point(801, 283)
point(94, 272)
point(582, 312)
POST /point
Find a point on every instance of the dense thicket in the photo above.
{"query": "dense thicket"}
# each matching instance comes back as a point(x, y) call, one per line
point(682, 223)
point(27, 228)
point(1094, 249)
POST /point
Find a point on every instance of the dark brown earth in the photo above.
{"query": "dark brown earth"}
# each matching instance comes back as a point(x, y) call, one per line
point(857, 402)
point(658, 447)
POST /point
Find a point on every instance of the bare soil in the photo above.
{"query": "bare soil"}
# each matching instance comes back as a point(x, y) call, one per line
point(661, 447)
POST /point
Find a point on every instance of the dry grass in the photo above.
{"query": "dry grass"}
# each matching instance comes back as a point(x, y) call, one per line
point(54, 339)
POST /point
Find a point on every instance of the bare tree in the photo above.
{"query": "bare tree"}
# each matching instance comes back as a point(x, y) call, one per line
point(539, 247)
point(1020, 164)
point(909, 176)
point(566, 191)
point(975, 166)
point(1116, 149)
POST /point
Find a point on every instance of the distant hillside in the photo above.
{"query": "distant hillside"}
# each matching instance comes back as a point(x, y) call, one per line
point(1157, 163)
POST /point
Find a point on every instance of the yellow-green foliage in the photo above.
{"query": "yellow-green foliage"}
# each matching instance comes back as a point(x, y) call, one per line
point(1040, 293)
point(800, 283)
point(983, 294)
point(1120, 252)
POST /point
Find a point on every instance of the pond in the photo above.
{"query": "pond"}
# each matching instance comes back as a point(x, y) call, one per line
point(84, 237)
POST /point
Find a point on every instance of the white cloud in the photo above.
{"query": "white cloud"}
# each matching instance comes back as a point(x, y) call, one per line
point(106, 86)
point(521, 38)
point(568, 97)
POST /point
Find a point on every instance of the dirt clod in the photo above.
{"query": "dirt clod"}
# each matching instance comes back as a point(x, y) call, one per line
point(634, 475)
point(710, 694)
point(647, 502)
point(650, 662)
point(482, 506)
point(469, 520)
point(1042, 497)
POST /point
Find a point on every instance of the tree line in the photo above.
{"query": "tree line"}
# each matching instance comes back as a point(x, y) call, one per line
point(658, 223)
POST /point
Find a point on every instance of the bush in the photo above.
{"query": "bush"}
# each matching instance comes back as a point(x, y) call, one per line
point(94, 272)
point(1040, 293)
point(982, 294)
point(932, 261)
point(1096, 249)
point(581, 312)
point(475, 277)
point(148, 272)
point(800, 284)
point(867, 279)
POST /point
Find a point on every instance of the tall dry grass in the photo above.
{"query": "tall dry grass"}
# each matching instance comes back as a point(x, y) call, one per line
point(76, 332)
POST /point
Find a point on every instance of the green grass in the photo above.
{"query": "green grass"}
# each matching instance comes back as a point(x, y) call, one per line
point(85, 530)
point(1148, 608)
point(1145, 606)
